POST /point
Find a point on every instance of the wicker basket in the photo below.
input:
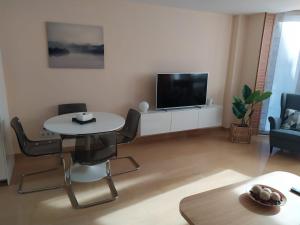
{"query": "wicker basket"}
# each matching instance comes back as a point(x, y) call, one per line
point(240, 134)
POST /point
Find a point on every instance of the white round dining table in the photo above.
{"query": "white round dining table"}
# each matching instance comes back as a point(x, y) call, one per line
point(64, 125)
point(105, 122)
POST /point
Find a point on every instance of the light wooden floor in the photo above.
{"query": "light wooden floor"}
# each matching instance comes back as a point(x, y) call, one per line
point(171, 169)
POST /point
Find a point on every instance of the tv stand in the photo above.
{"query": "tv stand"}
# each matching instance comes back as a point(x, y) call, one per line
point(166, 121)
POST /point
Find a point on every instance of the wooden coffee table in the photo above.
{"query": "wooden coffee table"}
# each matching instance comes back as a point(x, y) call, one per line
point(231, 205)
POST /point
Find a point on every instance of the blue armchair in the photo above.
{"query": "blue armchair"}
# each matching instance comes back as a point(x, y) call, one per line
point(283, 138)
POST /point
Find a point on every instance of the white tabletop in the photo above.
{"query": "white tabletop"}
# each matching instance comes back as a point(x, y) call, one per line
point(105, 122)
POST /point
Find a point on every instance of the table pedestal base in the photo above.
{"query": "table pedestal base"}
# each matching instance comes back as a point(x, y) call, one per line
point(85, 173)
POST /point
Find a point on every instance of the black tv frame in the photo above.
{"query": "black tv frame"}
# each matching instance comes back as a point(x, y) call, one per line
point(179, 107)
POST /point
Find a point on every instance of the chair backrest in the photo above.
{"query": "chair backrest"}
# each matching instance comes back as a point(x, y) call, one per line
point(71, 108)
point(105, 140)
point(131, 124)
point(21, 136)
point(102, 147)
point(96, 141)
point(289, 101)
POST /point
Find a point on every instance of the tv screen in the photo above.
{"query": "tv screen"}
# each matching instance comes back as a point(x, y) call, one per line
point(180, 90)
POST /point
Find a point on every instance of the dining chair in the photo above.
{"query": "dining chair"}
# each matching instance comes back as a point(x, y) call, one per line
point(71, 108)
point(126, 135)
point(36, 149)
point(102, 148)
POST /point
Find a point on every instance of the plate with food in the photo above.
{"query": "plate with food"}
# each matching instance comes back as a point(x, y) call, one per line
point(266, 195)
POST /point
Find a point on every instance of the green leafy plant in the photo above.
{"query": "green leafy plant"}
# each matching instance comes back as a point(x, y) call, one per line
point(243, 108)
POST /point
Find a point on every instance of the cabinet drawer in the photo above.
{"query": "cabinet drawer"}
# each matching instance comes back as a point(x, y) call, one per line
point(210, 117)
point(155, 123)
point(184, 120)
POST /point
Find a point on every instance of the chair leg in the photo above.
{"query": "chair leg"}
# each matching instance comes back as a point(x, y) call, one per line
point(22, 177)
point(132, 160)
point(271, 149)
point(73, 199)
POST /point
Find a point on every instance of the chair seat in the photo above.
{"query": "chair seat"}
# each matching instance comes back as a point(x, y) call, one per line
point(121, 139)
point(290, 135)
point(45, 147)
point(86, 157)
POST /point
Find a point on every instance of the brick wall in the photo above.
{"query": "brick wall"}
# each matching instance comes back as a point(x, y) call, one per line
point(262, 66)
point(276, 37)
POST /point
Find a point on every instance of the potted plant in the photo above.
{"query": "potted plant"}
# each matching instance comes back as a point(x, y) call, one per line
point(243, 109)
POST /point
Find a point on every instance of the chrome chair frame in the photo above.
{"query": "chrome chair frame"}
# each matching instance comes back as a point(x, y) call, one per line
point(128, 134)
point(24, 175)
point(32, 148)
point(71, 193)
point(133, 162)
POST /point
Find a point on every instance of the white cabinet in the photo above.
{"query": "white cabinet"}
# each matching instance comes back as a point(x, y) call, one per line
point(184, 120)
point(158, 122)
point(210, 117)
point(155, 123)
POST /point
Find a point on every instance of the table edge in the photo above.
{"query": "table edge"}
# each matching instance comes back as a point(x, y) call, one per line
point(224, 188)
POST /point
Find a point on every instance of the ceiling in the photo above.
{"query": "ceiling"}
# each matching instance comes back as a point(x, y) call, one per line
point(231, 6)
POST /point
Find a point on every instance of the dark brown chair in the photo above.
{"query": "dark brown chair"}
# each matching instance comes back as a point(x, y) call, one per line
point(35, 149)
point(71, 108)
point(102, 148)
point(127, 134)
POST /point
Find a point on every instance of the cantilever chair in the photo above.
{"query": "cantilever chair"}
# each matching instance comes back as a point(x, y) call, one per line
point(34, 149)
point(102, 149)
point(127, 134)
point(71, 108)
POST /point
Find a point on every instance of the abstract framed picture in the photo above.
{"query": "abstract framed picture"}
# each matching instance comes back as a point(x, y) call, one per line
point(75, 46)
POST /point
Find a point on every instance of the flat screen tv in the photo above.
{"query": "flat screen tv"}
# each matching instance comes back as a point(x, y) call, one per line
point(178, 90)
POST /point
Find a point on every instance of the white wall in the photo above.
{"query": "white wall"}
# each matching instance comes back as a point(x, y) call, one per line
point(235, 67)
point(253, 33)
point(6, 151)
point(140, 40)
point(244, 58)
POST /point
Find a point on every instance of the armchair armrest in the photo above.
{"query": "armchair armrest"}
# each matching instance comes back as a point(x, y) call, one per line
point(274, 122)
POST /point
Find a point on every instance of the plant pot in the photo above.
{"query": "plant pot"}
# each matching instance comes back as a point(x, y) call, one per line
point(239, 134)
